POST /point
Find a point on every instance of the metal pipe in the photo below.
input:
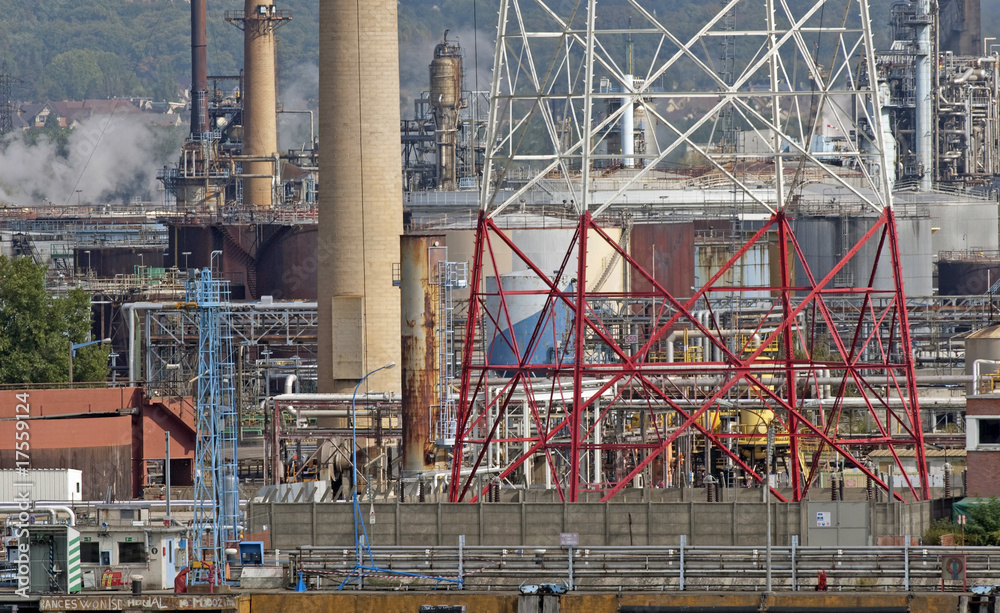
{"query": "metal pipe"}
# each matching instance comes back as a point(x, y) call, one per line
point(166, 473)
point(716, 352)
point(628, 124)
point(51, 509)
point(324, 398)
point(312, 127)
point(326, 412)
point(291, 381)
point(976, 374)
point(130, 311)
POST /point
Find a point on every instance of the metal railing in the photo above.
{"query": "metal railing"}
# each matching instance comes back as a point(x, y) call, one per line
point(657, 568)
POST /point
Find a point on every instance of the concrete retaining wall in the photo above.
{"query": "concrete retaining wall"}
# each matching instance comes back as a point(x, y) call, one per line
point(538, 523)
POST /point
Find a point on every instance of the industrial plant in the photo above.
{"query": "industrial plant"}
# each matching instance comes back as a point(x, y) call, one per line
point(660, 297)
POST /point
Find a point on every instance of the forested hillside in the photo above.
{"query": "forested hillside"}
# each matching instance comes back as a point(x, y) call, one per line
point(103, 48)
point(78, 49)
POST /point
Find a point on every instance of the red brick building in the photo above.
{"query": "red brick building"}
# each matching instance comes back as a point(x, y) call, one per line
point(982, 445)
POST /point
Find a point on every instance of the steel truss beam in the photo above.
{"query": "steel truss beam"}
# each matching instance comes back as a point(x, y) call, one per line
point(171, 336)
point(216, 512)
point(591, 406)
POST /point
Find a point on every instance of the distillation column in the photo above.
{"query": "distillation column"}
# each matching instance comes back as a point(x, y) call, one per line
point(360, 202)
point(628, 124)
point(446, 100)
point(925, 102)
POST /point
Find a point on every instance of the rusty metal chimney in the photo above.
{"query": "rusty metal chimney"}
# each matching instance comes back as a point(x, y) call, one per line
point(419, 287)
point(199, 68)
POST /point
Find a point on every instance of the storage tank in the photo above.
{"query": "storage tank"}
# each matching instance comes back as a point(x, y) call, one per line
point(520, 321)
point(666, 251)
point(966, 275)
point(419, 287)
point(752, 270)
point(824, 239)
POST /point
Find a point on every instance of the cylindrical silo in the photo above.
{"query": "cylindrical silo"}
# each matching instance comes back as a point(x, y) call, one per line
point(260, 123)
point(360, 202)
point(418, 272)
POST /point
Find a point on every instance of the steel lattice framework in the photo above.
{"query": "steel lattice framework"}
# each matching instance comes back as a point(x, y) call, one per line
point(216, 511)
point(579, 393)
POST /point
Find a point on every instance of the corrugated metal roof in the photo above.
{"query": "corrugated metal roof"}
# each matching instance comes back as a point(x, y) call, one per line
point(988, 332)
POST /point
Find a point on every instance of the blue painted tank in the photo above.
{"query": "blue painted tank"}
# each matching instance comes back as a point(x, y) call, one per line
point(524, 308)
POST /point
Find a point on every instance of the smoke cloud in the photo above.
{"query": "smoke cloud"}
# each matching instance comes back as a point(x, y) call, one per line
point(107, 159)
point(299, 92)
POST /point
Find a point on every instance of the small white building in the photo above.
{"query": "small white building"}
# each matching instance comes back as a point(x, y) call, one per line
point(124, 543)
point(37, 484)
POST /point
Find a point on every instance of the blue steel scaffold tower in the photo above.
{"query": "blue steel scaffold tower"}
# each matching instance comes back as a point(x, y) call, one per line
point(216, 516)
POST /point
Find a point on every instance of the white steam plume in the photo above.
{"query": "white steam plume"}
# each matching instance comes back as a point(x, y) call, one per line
point(108, 159)
point(299, 92)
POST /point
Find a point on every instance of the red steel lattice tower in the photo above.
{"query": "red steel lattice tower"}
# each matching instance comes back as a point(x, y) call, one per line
point(588, 376)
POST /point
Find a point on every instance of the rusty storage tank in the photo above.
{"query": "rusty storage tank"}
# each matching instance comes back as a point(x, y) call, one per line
point(108, 262)
point(665, 251)
point(258, 259)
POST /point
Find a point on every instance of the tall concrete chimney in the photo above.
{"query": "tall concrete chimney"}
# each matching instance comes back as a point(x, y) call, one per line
point(360, 200)
point(199, 68)
point(260, 120)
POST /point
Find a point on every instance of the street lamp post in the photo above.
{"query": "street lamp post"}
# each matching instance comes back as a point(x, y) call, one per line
point(359, 566)
point(767, 499)
point(72, 351)
point(88, 262)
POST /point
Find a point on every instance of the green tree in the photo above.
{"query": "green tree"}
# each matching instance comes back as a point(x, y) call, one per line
point(72, 75)
point(36, 329)
point(983, 524)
